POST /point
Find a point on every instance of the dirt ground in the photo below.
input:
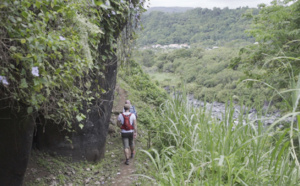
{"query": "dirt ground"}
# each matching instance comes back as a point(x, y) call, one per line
point(44, 169)
point(125, 177)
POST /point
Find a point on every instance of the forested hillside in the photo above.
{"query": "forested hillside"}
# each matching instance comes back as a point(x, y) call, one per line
point(255, 44)
point(205, 73)
point(199, 25)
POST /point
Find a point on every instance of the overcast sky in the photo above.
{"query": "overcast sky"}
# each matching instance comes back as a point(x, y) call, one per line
point(208, 3)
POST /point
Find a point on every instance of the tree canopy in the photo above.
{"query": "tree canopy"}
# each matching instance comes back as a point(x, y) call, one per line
point(199, 25)
point(275, 58)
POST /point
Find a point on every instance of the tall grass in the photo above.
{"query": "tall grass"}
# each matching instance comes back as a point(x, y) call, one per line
point(192, 148)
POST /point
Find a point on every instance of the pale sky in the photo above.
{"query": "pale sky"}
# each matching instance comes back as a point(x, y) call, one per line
point(208, 3)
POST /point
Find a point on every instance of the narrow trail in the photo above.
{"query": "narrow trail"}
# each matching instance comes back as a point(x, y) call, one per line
point(125, 176)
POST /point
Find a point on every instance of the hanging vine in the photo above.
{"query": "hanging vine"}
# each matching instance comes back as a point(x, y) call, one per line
point(49, 48)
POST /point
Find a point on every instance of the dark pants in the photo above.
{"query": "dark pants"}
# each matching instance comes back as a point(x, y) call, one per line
point(127, 139)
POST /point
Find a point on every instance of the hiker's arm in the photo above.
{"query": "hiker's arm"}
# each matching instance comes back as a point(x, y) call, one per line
point(135, 128)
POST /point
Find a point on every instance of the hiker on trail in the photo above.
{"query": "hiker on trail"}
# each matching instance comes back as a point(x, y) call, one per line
point(127, 121)
point(132, 108)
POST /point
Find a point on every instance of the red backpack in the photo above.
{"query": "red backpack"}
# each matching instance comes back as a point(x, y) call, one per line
point(126, 125)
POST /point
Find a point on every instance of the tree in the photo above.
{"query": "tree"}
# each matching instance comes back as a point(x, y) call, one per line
point(274, 58)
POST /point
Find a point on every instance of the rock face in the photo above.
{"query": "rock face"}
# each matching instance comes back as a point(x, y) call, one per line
point(16, 139)
point(17, 131)
point(87, 143)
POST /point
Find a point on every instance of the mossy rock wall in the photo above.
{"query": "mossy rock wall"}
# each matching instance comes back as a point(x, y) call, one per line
point(16, 131)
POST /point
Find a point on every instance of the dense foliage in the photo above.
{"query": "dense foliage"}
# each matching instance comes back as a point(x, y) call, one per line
point(49, 54)
point(272, 59)
point(275, 60)
point(199, 25)
point(205, 73)
point(191, 148)
point(144, 93)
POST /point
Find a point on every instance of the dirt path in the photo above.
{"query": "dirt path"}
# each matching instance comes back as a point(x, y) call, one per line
point(124, 177)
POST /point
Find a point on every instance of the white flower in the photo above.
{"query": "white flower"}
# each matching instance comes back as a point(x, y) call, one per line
point(62, 38)
point(35, 71)
point(4, 80)
point(113, 12)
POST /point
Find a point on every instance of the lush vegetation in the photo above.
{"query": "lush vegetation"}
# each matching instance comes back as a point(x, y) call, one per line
point(275, 60)
point(49, 52)
point(143, 92)
point(49, 56)
point(218, 74)
point(191, 148)
point(199, 25)
point(205, 73)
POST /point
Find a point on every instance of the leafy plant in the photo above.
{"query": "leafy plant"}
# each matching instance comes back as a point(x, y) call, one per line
point(49, 52)
point(192, 148)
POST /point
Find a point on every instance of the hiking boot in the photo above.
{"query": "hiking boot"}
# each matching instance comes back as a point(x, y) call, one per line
point(132, 155)
point(127, 162)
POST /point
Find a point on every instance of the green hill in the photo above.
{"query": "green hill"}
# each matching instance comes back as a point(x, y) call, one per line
point(198, 25)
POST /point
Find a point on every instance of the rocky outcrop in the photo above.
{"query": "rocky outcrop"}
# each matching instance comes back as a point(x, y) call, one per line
point(87, 143)
point(16, 131)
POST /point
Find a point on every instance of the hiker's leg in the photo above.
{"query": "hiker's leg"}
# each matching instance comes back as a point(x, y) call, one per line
point(127, 152)
point(132, 145)
point(132, 149)
point(126, 147)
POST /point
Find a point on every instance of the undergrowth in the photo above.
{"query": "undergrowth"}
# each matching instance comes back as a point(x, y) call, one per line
point(192, 148)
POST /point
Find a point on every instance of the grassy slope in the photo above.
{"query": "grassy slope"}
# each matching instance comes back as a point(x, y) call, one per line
point(189, 147)
point(192, 148)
